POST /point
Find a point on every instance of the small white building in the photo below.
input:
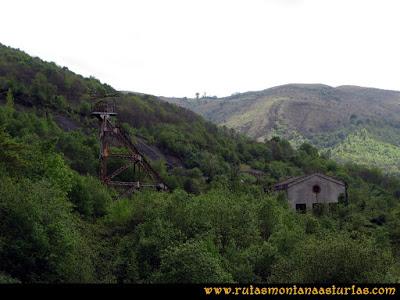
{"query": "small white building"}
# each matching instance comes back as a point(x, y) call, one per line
point(306, 192)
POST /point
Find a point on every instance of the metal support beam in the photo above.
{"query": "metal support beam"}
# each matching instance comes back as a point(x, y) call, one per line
point(111, 135)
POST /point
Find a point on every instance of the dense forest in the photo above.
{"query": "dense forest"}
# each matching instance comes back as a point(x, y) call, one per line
point(58, 223)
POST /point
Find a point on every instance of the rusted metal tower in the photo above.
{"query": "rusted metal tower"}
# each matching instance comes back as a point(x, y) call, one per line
point(113, 137)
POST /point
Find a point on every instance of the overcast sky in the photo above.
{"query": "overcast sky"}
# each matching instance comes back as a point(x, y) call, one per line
point(180, 47)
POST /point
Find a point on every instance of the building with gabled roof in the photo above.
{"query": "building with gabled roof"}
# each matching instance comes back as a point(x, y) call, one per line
point(308, 191)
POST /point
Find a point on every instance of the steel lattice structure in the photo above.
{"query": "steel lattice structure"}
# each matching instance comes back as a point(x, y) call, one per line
point(113, 135)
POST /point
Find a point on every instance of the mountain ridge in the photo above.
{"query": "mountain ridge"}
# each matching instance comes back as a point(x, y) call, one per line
point(61, 225)
point(316, 113)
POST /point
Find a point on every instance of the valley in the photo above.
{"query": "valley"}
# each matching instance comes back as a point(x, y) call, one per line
point(220, 221)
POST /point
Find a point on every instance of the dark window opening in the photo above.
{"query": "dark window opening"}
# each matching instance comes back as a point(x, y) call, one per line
point(301, 207)
point(316, 189)
point(319, 208)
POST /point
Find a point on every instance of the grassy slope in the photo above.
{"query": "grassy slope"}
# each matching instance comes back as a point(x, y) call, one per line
point(362, 148)
point(319, 114)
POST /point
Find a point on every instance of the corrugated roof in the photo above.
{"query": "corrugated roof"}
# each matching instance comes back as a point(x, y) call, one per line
point(290, 179)
point(295, 180)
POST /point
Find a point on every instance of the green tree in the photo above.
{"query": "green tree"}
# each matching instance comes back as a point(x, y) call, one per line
point(11, 153)
point(91, 198)
point(333, 258)
point(10, 101)
point(192, 262)
point(40, 239)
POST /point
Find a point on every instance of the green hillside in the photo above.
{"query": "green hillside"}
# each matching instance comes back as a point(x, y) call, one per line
point(362, 148)
point(60, 224)
point(319, 114)
point(306, 108)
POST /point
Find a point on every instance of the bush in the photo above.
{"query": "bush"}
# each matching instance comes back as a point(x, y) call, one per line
point(192, 262)
point(90, 197)
point(333, 258)
point(40, 238)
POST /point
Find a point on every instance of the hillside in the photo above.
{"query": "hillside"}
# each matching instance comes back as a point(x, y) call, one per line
point(60, 224)
point(362, 148)
point(319, 114)
point(163, 131)
point(307, 109)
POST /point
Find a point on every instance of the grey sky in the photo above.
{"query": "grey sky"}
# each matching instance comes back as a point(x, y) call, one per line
point(180, 47)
